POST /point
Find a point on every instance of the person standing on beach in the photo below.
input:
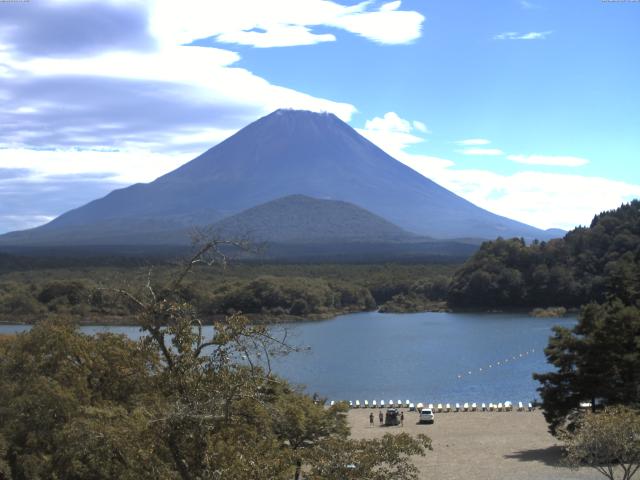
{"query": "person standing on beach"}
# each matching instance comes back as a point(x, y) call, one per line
point(402, 419)
point(371, 419)
point(381, 417)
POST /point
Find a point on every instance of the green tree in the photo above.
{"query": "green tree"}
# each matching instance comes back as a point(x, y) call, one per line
point(596, 361)
point(5, 472)
point(608, 441)
point(302, 423)
point(53, 377)
point(386, 458)
point(178, 404)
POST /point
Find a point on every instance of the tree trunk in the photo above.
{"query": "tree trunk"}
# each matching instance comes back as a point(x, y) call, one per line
point(177, 458)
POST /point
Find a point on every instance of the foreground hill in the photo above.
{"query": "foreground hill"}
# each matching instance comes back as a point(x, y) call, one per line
point(285, 153)
point(589, 264)
point(302, 219)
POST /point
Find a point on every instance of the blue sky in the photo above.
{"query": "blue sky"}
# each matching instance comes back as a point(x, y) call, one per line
point(530, 109)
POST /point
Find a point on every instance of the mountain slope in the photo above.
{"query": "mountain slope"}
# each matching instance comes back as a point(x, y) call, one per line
point(285, 153)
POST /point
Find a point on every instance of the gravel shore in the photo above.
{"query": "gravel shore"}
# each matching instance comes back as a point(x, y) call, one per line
point(480, 445)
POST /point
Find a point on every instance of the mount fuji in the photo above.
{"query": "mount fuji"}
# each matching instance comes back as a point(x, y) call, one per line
point(293, 154)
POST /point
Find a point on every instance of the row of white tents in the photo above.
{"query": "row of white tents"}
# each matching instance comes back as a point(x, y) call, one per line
point(443, 408)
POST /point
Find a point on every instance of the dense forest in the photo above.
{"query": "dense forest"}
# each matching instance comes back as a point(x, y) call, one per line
point(176, 405)
point(272, 292)
point(597, 263)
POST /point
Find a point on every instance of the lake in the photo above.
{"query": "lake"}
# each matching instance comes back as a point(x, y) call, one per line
point(428, 357)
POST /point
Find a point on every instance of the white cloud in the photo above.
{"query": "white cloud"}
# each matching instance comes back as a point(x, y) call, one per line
point(390, 6)
point(551, 160)
point(421, 127)
point(544, 200)
point(200, 72)
point(481, 151)
point(535, 35)
point(387, 26)
point(522, 36)
point(276, 36)
point(279, 23)
point(390, 121)
point(392, 133)
point(474, 141)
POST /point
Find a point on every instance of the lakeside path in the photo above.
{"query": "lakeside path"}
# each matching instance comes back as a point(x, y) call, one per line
point(480, 445)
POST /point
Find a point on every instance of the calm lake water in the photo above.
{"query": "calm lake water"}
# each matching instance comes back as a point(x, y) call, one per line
point(428, 357)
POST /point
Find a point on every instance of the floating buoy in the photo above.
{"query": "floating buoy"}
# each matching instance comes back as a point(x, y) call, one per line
point(500, 363)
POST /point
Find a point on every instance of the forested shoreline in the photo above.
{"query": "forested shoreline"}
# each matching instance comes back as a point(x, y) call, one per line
point(265, 293)
point(590, 264)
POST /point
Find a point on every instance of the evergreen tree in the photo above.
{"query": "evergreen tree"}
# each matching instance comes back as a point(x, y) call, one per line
point(598, 361)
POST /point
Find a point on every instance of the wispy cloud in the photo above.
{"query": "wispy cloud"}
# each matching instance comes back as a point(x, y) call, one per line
point(421, 127)
point(522, 36)
point(61, 179)
point(13, 173)
point(28, 201)
point(481, 151)
point(542, 199)
point(527, 5)
point(550, 160)
point(474, 141)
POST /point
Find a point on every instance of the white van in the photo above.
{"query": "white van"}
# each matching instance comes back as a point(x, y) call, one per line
point(427, 416)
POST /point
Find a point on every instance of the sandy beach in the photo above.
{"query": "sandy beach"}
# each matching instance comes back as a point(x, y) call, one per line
point(480, 445)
